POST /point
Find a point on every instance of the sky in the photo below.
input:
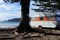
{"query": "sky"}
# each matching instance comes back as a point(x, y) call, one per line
point(12, 10)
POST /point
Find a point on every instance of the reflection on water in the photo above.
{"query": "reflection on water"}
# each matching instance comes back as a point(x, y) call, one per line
point(8, 24)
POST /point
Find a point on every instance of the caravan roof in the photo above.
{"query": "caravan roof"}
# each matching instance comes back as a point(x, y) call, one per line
point(38, 15)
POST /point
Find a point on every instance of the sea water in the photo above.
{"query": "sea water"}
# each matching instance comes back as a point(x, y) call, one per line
point(9, 24)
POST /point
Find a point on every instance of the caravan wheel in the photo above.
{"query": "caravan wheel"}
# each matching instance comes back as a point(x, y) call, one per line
point(40, 27)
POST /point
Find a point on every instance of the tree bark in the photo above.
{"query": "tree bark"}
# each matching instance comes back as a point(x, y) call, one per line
point(24, 24)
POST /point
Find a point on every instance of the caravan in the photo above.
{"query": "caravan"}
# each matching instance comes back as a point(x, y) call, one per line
point(43, 19)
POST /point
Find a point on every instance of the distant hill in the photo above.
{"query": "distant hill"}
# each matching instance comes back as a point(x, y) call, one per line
point(13, 20)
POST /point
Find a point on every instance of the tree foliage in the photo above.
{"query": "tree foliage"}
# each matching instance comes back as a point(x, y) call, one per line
point(11, 1)
point(55, 4)
point(49, 5)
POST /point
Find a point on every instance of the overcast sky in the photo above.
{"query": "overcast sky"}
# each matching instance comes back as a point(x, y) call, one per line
point(12, 10)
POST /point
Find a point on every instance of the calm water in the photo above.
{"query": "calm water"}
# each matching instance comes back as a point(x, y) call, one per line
point(8, 24)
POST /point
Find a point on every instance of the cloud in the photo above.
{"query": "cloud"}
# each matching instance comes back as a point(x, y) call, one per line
point(1, 1)
point(32, 6)
point(5, 7)
point(9, 7)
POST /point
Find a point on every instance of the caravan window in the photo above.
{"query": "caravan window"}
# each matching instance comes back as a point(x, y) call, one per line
point(51, 18)
point(41, 18)
point(33, 18)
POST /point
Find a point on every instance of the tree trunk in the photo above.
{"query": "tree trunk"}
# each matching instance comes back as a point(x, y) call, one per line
point(24, 24)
